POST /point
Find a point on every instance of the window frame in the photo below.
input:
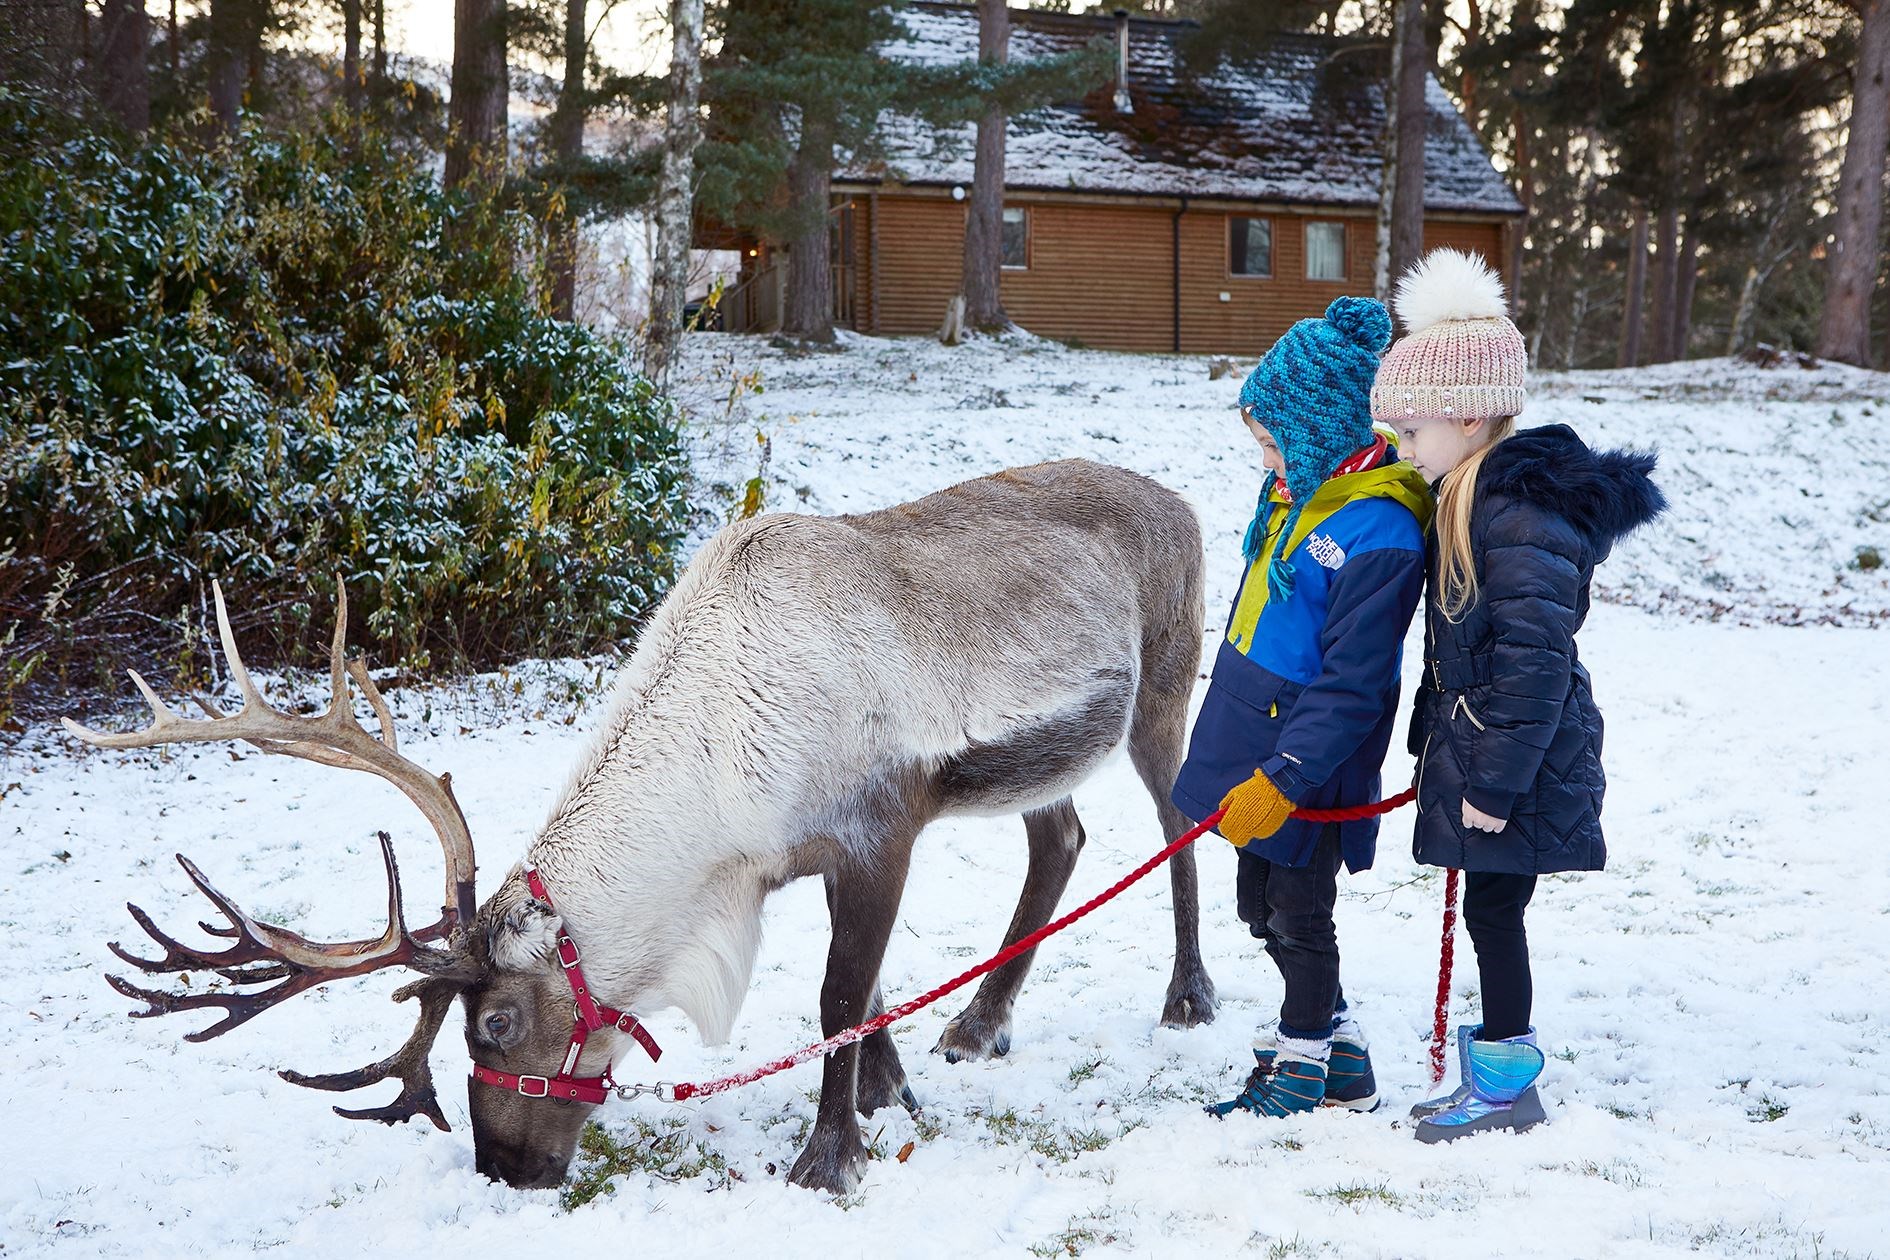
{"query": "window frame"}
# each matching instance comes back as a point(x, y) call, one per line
point(1345, 249)
point(1273, 241)
point(1028, 233)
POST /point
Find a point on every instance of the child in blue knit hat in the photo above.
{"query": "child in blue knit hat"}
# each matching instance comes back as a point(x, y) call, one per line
point(1305, 686)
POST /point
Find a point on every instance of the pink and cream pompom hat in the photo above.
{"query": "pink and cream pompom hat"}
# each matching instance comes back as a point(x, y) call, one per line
point(1461, 357)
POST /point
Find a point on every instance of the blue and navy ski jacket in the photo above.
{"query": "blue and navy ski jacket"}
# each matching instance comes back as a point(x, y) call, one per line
point(1306, 687)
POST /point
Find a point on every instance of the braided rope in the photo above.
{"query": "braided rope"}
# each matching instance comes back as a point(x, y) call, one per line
point(1446, 956)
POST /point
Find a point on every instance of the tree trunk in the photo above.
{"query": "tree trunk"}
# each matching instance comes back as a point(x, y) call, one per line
point(380, 42)
point(1414, 73)
point(567, 148)
point(476, 119)
point(809, 301)
point(984, 220)
point(1666, 283)
point(1636, 295)
point(253, 52)
point(1743, 313)
point(224, 59)
point(1851, 272)
point(119, 68)
point(1525, 193)
point(1681, 332)
point(1388, 151)
point(675, 217)
point(171, 46)
point(351, 54)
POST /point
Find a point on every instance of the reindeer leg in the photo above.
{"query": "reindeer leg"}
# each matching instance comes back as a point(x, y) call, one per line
point(1156, 740)
point(864, 901)
point(882, 1078)
point(983, 1029)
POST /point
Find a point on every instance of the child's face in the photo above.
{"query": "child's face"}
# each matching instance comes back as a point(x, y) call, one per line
point(1270, 457)
point(1436, 447)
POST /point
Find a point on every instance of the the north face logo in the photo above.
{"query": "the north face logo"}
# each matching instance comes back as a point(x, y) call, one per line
point(1325, 551)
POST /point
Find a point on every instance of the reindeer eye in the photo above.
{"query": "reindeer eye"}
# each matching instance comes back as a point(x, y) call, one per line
point(498, 1024)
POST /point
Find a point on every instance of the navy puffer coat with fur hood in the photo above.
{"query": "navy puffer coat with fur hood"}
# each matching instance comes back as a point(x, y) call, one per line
point(1505, 718)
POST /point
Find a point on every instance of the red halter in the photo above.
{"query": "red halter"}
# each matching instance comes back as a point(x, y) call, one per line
point(589, 1017)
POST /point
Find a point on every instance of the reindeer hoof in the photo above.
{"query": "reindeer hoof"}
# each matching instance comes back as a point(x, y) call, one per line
point(830, 1162)
point(972, 1036)
point(882, 1083)
point(1191, 1002)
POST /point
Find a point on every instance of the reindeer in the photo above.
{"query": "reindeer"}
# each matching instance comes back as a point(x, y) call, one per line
point(809, 696)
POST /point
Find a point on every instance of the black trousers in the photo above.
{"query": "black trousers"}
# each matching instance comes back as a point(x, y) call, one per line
point(1493, 908)
point(1289, 908)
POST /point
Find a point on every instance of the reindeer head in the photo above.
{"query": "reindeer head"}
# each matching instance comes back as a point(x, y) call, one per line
point(502, 960)
point(519, 1020)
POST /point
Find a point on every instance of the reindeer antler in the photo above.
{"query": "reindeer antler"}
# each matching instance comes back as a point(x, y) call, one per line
point(263, 952)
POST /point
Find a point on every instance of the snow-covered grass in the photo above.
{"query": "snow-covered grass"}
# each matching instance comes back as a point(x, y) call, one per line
point(1715, 1000)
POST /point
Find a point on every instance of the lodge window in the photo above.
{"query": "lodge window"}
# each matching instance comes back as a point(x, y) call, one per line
point(1016, 237)
point(1325, 251)
point(1249, 247)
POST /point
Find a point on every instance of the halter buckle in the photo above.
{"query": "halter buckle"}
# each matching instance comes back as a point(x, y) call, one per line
point(568, 956)
point(544, 1086)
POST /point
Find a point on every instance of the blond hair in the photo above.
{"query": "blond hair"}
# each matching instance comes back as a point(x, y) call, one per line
point(1456, 567)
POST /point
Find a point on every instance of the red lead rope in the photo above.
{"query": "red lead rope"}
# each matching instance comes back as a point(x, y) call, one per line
point(859, 1032)
point(1446, 950)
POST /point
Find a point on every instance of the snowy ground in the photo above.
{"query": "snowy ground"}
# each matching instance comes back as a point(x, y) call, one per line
point(1716, 1000)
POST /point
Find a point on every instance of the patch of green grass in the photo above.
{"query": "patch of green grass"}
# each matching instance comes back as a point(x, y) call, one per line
point(1059, 1145)
point(1358, 1194)
point(1084, 1071)
point(1618, 1172)
point(665, 1152)
point(1626, 1113)
point(1767, 1109)
point(1083, 1232)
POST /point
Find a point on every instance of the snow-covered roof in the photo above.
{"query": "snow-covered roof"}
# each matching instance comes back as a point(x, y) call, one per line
point(1271, 127)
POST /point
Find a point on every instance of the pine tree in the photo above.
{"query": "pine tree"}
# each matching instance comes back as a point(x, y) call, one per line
point(682, 135)
point(476, 138)
point(119, 65)
point(1855, 258)
point(984, 219)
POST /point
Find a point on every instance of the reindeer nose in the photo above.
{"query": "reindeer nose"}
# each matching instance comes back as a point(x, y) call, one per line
point(517, 1168)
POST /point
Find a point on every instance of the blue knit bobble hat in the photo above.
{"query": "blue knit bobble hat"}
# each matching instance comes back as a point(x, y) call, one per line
point(1312, 391)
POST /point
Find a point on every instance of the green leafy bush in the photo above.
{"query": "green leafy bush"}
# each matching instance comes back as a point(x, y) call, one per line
point(292, 355)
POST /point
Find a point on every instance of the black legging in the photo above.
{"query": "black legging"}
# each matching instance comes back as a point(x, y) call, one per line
point(1493, 912)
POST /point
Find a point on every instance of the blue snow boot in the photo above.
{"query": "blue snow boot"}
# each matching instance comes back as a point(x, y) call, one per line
point(1502, 1077)
point(1349, 1079)
point(1466, 1033)
point(1287, 1079)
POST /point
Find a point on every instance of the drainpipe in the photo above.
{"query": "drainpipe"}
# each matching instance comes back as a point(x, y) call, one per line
point(1123, 104)
point(1175, 239)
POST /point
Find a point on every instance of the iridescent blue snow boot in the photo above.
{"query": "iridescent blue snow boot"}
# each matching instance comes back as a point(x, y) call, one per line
point(1466, 1033)
point(1349, 1079)
point(1289, 1077)
point(1502, 1077)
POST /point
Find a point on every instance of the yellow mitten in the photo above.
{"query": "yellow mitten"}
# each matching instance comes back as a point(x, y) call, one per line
point(1255, 810)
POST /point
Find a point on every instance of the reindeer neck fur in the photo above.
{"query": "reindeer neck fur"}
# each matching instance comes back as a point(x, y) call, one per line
point(679, 818)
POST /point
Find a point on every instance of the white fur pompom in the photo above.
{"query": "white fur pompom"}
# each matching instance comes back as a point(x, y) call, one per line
point(1449, 284)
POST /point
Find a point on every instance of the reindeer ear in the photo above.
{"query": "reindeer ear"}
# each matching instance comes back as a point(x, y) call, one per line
point(524, 935)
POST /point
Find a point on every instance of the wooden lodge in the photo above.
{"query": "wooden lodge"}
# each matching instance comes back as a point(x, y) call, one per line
point(1178, 208)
